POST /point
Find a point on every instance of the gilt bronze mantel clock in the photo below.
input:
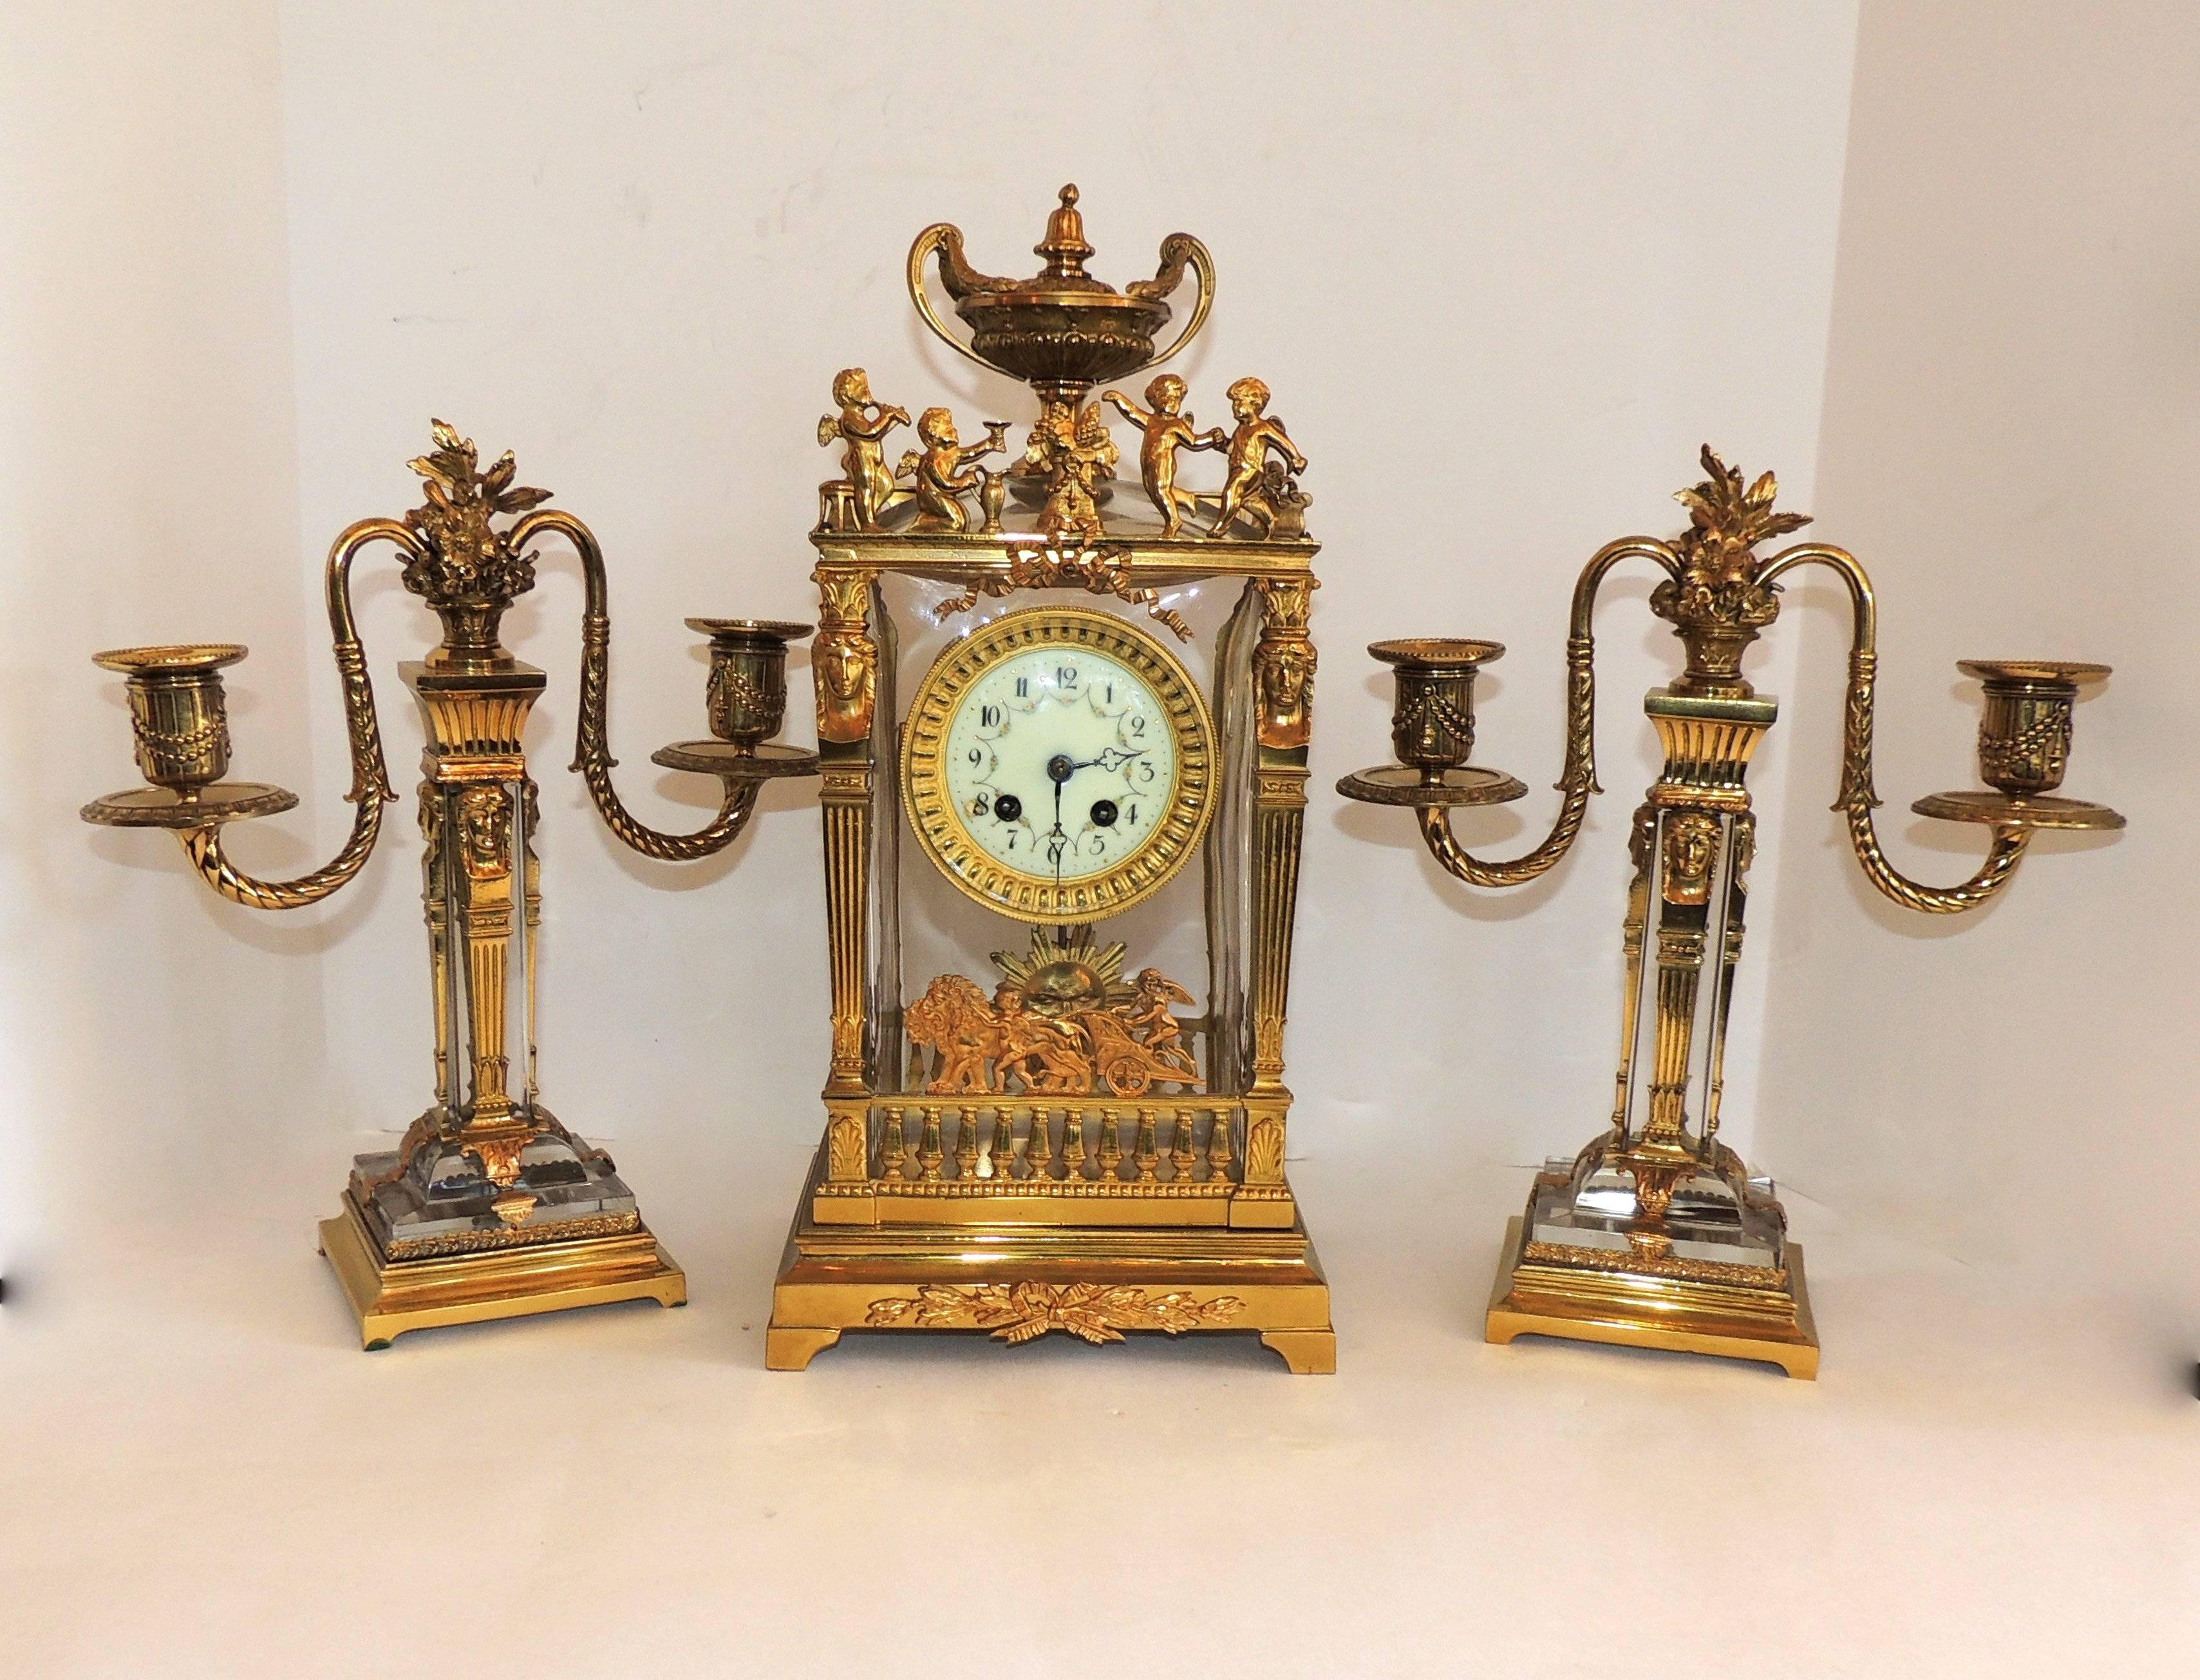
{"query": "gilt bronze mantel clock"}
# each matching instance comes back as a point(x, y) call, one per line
point(488, 1208)
point(1060, 872)
point(1656, 1235)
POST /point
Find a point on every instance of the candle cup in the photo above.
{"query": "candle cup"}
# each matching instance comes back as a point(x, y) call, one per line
point(2024, 733)
point(2024, 747)
point(1432, 729)
point(747, 702)
point(1432, 716)
point(747, 692)
point(176, 711)
point(181, 726)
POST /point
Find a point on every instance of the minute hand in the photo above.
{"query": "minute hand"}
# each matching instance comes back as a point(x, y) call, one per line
point(1111, 758)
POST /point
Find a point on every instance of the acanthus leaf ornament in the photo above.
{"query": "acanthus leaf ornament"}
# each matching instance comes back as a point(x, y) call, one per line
point(1023, 1312)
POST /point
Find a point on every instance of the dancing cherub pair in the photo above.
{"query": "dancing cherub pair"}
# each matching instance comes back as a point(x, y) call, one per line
point(1256, 488)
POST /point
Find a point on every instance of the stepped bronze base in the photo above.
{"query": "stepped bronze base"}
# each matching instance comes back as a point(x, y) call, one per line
point(1634, 1309)
point(390, 1297)
point(1019, 1282)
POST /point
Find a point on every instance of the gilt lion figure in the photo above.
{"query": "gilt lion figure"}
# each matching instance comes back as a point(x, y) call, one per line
point(954, 1020)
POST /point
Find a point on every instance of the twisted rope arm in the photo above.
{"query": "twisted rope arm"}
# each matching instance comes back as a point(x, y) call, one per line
point(592, 749)
point(370, 773)
point(1577, 777)
point(1858, 797)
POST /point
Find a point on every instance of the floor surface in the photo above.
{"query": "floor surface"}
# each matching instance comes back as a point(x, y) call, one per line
point(205, 1477)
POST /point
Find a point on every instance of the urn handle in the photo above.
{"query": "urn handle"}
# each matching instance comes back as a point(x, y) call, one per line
point(1180, 250)
point(956, 275)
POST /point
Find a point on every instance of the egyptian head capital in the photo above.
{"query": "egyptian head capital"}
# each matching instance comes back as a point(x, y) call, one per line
point(1691, 842)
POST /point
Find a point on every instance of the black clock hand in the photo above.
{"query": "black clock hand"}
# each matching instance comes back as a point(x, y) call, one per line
point(1109, 758)
point(1057, 837)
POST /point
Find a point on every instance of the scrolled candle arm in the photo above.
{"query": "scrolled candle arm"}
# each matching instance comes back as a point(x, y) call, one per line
point(1858, 797)
point(370, 772)
point(592, 756)
point(1577, 777)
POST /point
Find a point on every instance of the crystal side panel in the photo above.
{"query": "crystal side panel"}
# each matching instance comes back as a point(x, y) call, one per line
point(1228, 864)
point(885, 1064)
point(939, 932)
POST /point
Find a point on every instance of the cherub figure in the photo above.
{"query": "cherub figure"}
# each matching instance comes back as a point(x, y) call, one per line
point(1253, 490)
point(941, 479)
point(862, 425)
point(1155, 1025)
point(1167, 429)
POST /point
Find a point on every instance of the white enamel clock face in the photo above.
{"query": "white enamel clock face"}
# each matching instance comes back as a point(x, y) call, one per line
point(1057, 764)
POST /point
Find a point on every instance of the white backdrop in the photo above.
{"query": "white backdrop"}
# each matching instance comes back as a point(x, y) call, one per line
point(2012, 443)
point(1507, 265)
point(1474, 253)
point(1470, 253)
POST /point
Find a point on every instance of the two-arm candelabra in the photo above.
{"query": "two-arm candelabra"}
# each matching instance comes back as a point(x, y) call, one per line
point(1656, 1235)
point(489, 1207)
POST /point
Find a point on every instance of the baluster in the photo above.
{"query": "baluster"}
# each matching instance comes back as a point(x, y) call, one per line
point(966, 1143)
point(1180, 1153)
point(929, 1154)
point(1002, 1154)
point(890, 1151)
point(1148, 1156)
point(1111, 1144)
point(1072, 1143)
point(1218, 1147)
point(1038, 1153)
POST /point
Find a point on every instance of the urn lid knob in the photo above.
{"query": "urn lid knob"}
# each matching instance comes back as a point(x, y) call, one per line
point(1064, 246)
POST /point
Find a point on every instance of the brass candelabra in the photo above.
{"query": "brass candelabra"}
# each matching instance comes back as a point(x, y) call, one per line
point(1656, 1235)
point(489, 1207)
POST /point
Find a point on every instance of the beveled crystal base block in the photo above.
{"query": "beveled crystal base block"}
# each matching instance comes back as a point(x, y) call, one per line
point(1717, 1214)
point(443, 1204)
point(1687, 1306)
point(508, 1281)
point(1016, 1284)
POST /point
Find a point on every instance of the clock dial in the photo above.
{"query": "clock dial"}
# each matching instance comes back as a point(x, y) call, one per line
point(1056, 764)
